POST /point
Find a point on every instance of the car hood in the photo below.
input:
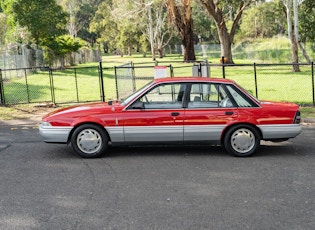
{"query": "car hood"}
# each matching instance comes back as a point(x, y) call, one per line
point(83, 110)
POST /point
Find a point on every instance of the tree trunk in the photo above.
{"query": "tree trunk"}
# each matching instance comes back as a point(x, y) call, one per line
point(151, 32)
point(160, 51)
point(189, 50)
point(153, 52)
point(295, 54)
point(182, 19)
point(302, 47)
point(292, 37)
point(225, 43)
point(218, 13)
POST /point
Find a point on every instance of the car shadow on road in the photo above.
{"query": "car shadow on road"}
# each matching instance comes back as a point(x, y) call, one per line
point(267, 149)
point(273, 149)
point(182, 150)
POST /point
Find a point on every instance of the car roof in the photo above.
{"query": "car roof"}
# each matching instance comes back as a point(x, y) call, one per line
point(192, 79)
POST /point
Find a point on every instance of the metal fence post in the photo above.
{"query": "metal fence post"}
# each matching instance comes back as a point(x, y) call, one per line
point(255, 74)
point(100, 70)
point(223, 67)
point(27, 88)
point(171, 71)
point(52, 88)
point(116, 83)
point(313, 84)
point(2, 101)
point(133, 75)
point(76, 83)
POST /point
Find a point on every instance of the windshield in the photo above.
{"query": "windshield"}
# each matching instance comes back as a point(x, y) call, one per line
point(136, 94)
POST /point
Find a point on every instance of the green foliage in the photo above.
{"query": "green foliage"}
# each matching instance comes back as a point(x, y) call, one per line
point(264, 20)
point(65, 44)
point(104, 26)
point(61, 46)
point(44, 19)
point(145, 45)
point(204, 27)
point(121, 24)
point(3, 27)
point(81, 12)
point(307, 21)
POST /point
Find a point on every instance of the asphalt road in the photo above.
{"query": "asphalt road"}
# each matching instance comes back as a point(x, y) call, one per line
point(46, 186)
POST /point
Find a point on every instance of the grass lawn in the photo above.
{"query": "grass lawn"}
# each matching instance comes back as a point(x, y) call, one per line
point(274, 83)
point(81, 83)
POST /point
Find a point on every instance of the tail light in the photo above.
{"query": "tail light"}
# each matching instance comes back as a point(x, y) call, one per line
point(297, 118)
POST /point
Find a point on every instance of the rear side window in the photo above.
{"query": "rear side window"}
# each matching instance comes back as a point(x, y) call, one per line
point(240, 99)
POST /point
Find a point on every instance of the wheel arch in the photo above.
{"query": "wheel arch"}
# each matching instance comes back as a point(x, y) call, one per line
point(240, 124)
point(86, 123)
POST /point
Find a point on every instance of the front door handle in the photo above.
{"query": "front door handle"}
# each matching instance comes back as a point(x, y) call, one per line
point(175, 114)
point(229, 113)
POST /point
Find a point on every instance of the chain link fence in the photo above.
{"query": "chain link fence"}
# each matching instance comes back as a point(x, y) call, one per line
point(98, 83)
point(41, 85)
point(272, 81)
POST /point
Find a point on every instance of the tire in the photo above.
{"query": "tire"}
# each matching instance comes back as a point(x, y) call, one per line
point(242, 140)
point(89, 141)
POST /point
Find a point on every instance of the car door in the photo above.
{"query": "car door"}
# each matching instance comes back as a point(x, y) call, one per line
point(157, 115)
point(209, 110)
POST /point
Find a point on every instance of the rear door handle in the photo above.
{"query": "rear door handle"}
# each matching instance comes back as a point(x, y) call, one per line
point(174, 114)
point(229, 113)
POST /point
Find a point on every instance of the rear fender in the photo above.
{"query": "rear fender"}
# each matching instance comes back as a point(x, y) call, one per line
point(235, 124)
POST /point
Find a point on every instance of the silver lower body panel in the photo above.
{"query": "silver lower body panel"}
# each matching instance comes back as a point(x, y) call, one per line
point(280, 131)
point(52, 134)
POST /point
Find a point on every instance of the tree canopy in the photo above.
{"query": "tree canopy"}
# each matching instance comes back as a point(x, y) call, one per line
point(307, 21)
point(44, 19)
point(125, 26)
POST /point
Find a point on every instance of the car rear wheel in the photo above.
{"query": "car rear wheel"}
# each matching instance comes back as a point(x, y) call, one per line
point(89, 141)
point(242, 140)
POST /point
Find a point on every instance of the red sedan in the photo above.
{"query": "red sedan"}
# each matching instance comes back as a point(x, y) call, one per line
point(175, 110)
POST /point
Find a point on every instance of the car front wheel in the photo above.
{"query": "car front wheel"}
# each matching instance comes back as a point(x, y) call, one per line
point(89, 141)
point(242, 140)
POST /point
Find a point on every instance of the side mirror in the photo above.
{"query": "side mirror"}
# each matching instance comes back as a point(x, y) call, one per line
point(137, 105)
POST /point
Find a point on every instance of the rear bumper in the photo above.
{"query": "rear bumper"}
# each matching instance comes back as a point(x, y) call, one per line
point(280, 131)
point(53, 134)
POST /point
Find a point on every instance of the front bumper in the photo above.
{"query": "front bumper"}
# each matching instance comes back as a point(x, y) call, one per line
point(55, 134)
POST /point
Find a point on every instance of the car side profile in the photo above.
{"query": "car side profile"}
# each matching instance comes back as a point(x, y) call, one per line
point(175, 110)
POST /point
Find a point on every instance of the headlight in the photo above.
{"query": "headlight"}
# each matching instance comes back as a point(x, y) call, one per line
point(45, 123)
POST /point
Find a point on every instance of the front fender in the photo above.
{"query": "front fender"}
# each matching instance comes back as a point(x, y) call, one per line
point(84, 120)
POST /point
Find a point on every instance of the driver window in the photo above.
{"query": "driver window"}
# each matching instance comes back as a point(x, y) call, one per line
point(165, 96)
